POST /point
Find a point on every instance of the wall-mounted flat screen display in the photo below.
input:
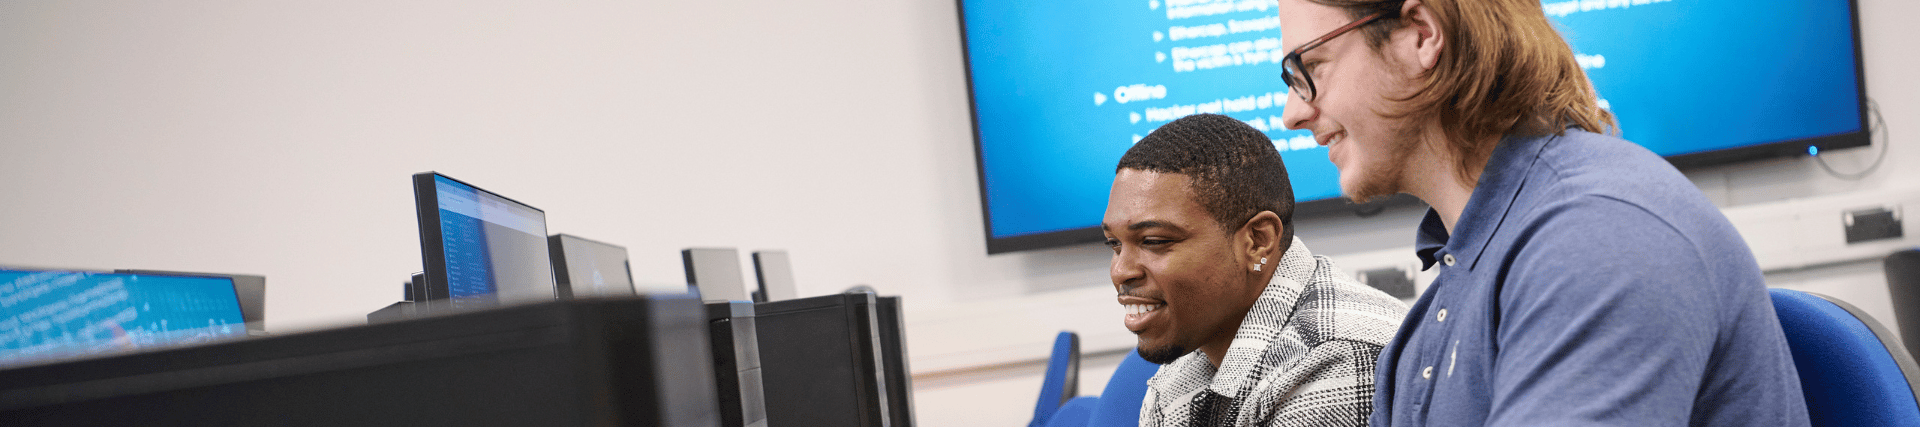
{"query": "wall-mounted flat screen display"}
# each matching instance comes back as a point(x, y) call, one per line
point(1061, 89)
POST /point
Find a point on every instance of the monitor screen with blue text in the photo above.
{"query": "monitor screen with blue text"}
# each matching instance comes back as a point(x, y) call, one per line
point(481, 249)
point(48, 315)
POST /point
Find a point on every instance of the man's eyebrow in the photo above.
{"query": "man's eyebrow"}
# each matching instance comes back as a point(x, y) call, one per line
point(1152, 224)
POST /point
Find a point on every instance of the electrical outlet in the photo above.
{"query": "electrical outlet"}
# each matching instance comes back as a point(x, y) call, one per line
point(1875, 223)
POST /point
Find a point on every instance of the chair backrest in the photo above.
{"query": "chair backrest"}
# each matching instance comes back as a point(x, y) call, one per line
point(1119, 403)
point(1063, 378)
point(1852, 370)
point(1075, 413)
point(1903, 286)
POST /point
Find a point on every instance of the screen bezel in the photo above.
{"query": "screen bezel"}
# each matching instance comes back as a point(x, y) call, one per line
point(1091, 234)
point(432, 242)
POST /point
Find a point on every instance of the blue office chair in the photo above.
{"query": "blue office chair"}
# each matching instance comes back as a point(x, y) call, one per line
point(1117, 405)
point(1075, 413)
point(1852, 370)
point(1062, 382)
point(1120, 402)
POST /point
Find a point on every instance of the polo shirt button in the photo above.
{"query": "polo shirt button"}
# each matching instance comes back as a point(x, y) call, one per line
point(1448, 258)
point(1427, 373)
point(1442, 317)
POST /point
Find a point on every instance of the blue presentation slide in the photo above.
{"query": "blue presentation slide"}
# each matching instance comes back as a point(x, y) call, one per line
point(1063, 88)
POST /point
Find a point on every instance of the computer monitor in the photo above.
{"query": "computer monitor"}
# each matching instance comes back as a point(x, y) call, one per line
point(775, 273)
point(252, 290)
point(480, 249)
point(739, 376)
point(587, 269)
point(716, 273)
point(822, 363)
point(53, 314)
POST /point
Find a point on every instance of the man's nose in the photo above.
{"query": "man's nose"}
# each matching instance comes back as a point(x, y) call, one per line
point(1125, 270)
point(1298, 112)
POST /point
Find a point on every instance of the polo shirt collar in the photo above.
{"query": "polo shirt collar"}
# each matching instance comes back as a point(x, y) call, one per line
point(1507, 171)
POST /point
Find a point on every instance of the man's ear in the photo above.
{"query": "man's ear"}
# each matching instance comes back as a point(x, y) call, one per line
point(1262, 240)
point(1428, 34)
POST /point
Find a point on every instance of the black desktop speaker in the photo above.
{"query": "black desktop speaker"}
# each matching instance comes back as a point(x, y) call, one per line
point(1903, 284)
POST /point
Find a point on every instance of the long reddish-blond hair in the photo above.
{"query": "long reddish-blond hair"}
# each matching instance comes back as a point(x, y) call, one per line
point(1504, 70)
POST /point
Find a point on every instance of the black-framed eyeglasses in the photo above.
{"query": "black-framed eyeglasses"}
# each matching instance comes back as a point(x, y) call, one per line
point(1295, 74)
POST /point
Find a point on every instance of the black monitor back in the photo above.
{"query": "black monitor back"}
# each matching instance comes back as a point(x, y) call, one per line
point(641, 362)
point(715, 272)
point(893, 358)
point(821, 361)
point(585, 268)
point(775, 274)
point(736, 364)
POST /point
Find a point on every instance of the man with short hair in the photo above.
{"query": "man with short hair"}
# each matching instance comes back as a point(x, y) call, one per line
point(1582, 279)
point(1253, 329)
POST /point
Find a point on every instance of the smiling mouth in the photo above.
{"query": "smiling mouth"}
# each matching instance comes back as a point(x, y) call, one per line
point(1332, 139)
point(1141, 309)
point(1138, 315)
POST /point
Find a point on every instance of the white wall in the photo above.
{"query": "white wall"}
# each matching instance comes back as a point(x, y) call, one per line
point(276, 138)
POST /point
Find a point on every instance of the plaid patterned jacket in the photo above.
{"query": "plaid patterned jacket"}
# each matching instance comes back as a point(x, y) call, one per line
point(1304, 356)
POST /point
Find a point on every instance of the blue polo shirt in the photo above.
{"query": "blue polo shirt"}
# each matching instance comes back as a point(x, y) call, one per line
point(1587, 283)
